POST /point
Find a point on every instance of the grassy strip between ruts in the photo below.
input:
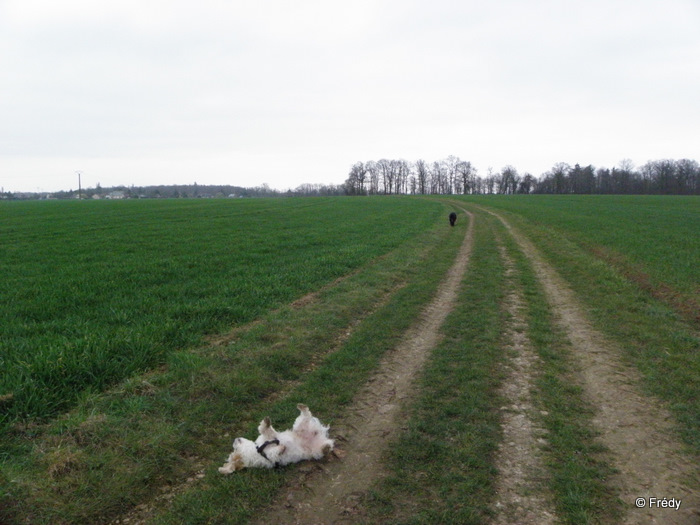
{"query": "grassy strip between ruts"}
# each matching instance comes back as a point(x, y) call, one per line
point(443, 463)
point(122, 448)
point(576, 462)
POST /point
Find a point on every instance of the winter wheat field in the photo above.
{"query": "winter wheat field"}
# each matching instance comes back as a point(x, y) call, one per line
point(536, 363)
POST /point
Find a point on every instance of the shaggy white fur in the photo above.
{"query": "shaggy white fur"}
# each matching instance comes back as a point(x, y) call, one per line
point(308, 439)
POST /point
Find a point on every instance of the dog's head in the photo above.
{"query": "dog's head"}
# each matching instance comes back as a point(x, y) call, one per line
point(244, 453)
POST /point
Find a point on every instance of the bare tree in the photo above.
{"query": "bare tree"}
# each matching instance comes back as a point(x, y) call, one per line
point(403, 170)
point(490, 181)
point(450, 165)
point(373, 170)
point(437, 178)
point(422, 174)
point(508, 181)
point(413, 184)
point(387, 175)
point(465, 174)
point(397, 174)
point(689, 176)
point(355, 183)
point(527, 184)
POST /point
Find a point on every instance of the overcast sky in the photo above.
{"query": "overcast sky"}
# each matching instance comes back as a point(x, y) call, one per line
point(283, 92)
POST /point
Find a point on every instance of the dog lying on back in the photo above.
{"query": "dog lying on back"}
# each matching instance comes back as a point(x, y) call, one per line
point(308, 439)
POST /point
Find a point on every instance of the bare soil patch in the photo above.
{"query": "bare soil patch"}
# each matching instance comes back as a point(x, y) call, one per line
point(520, 494)
point(637, 429)
point(330, 493)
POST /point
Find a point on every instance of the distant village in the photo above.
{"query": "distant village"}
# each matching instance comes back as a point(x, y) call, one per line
point(193, 191)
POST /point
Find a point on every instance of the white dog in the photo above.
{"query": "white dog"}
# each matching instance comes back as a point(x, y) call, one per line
point(308, 439)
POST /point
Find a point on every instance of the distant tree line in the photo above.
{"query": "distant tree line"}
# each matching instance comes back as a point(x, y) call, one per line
point(448, 176)
point(455, 176)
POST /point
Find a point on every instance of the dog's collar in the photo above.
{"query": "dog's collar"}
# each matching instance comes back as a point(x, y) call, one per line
point(261, 448)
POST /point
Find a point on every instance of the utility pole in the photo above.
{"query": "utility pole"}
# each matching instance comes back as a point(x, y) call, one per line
point(80, 190)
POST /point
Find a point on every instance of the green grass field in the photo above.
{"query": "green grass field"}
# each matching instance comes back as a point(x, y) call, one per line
point(96, 291)
point(653, 239)
point(111, 391)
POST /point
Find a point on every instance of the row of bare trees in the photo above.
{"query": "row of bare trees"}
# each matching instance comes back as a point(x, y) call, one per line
point(448, 176)
point(391, 176)
point(455, 176)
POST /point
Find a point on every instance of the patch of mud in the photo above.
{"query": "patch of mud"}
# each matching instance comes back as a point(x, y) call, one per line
point(637, 429)
point(331, 493)
point(520, 495)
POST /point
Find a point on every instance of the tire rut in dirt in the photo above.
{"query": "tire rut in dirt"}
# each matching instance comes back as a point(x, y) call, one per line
point(330, 493)
point(519, 495)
